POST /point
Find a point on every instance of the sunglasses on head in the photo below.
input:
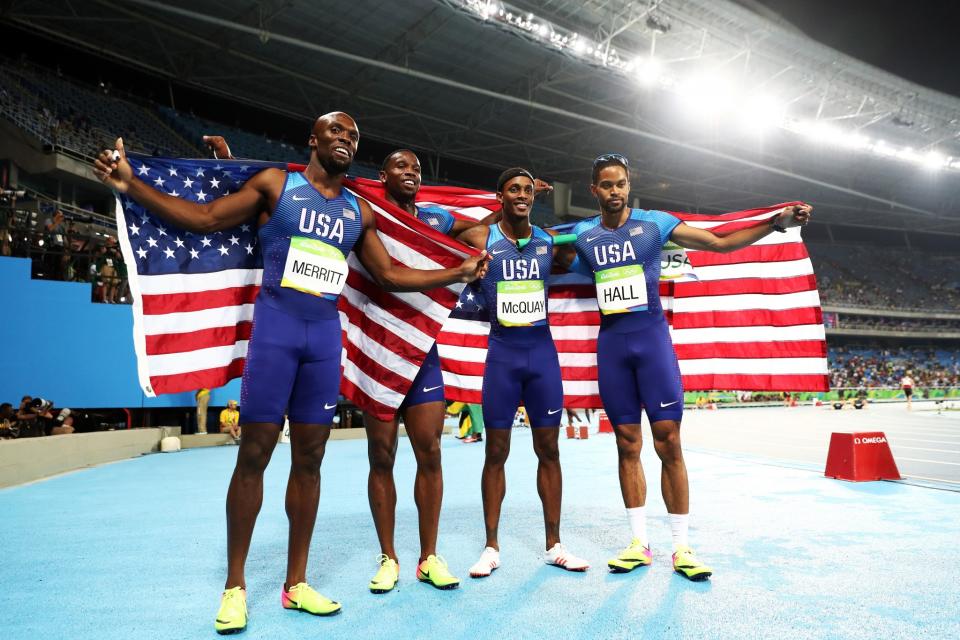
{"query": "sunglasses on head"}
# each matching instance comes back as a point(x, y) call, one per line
point(612, 157)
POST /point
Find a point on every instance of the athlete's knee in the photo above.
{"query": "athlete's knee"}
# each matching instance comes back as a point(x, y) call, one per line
point(629, 445)
point(382, 457)
point(666, 441)
point(428, 455)
point(252, 458)
point(496, 453)
point(307, 459)
point(547, 451)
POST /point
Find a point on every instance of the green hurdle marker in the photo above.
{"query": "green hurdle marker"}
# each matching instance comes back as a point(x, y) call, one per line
point(563, 238)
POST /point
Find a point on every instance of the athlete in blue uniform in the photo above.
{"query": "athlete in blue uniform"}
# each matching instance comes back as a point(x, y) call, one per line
point(521, 365)
point(637, 366)
point(422, 411)
point(307, 226)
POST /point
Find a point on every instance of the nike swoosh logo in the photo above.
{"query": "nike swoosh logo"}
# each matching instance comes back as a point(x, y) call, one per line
point(668, 404)
point(550, 413)
point(594, 237)
point(296, 199)
point(429, 389)
point(329, 406)
point(494, 253)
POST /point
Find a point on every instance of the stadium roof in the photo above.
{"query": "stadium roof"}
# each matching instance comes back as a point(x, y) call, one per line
point(460, 79)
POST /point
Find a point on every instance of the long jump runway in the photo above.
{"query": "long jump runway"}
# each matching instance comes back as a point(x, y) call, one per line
point(136, 549)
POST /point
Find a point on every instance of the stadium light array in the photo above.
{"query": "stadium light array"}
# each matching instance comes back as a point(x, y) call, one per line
point(707, 94)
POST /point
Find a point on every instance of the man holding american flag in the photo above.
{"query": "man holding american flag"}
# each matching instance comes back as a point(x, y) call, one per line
point(308, 224)
point(637, 366)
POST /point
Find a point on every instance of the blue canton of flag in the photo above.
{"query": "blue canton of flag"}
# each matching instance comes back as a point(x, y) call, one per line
point(160, 248)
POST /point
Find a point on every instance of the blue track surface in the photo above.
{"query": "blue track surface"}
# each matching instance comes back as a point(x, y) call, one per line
point(136, 550)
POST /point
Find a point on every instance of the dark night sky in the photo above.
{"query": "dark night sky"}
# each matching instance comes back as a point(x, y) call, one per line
point(916, 40)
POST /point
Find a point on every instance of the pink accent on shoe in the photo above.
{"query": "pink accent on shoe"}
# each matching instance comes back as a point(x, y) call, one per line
point(287, 601)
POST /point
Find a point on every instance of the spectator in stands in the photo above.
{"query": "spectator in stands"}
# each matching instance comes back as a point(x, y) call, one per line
point(230, 420)
point(108, 269)
point(7, 418)
point(63, 427)
point(203, 401)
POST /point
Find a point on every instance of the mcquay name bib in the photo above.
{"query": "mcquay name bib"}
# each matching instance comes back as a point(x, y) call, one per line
point(521, 303)
point(621, 289)
point(314, 267)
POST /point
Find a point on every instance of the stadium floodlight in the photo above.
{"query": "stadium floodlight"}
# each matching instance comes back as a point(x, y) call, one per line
point(647, 70)
point(708, 93)
point(934, 160)
point(759, 113)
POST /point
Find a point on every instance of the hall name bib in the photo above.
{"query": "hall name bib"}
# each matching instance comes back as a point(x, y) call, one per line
point(621, 289)
point(521, 303)
point(314, 267)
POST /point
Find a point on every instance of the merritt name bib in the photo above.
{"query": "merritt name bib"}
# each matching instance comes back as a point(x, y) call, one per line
point(521, 303)
point(314, 267)
point(621, 289)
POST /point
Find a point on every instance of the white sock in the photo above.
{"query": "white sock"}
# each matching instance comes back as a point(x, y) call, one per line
point(678, 529)
point(638, 523)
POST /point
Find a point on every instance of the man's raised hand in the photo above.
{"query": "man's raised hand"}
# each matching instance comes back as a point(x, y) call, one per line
point(112, 169)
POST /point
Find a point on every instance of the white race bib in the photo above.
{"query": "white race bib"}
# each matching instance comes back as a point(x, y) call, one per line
point(621, 289)
point(314, 267)
point(675, 265)
point(520, 303)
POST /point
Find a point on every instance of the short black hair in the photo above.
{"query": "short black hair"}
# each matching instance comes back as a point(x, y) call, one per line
point(510, 174)
point(386, 160)
point(6, 405)
point(609, 160)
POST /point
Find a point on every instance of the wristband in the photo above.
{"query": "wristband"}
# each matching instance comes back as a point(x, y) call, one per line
point(563, 238)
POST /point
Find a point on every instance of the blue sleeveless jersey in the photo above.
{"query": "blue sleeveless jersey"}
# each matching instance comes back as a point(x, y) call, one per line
point(437, 217)
point(515, 287)
point(326, 228)
point(625, 263)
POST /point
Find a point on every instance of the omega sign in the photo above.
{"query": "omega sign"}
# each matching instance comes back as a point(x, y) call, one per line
point(873, 440)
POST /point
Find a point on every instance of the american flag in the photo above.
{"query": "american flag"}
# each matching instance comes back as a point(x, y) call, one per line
point(750, 320)
point(194, 294)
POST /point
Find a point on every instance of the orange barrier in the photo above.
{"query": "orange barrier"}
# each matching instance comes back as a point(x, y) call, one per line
point(605, 425)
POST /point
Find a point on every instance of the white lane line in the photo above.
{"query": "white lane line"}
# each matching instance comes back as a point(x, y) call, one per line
point(894, 446)
point(955, 464)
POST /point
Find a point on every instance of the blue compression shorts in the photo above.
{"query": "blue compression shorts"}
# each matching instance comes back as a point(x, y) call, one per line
point(637, 369)
point(522, 365)
point(293, 368)
point(428, 385)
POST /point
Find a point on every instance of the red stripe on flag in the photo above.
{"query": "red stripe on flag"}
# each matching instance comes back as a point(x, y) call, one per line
point(794, 284)
point(162, 343)
point(397, 307)
point(376, 370)
point(748, 318)
point(755, 382)
point(462, 339)
point(203, 378)
point(366, 404)
point(198, 301)
point(781, 349)
point(462, 367)
point(755, 253)
point(575, 318)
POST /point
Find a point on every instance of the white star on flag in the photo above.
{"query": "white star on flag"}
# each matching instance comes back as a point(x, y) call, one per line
point(174, 194)
point(249, 249)
point(143, 170)
point(205, 241)
point(469, 296)
point(214, 183)
point(244, 227)
point(168, 252)
point(134, 229)
point(158, 181)
point(234, 240)
point(200, 173)
point(173, 171)
point(179, 243)
point(223, 250)
point(151, 242)
point(162, 229)
point(142, 253)
point(188, 183)
point(201, 196)
point(194, 254)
